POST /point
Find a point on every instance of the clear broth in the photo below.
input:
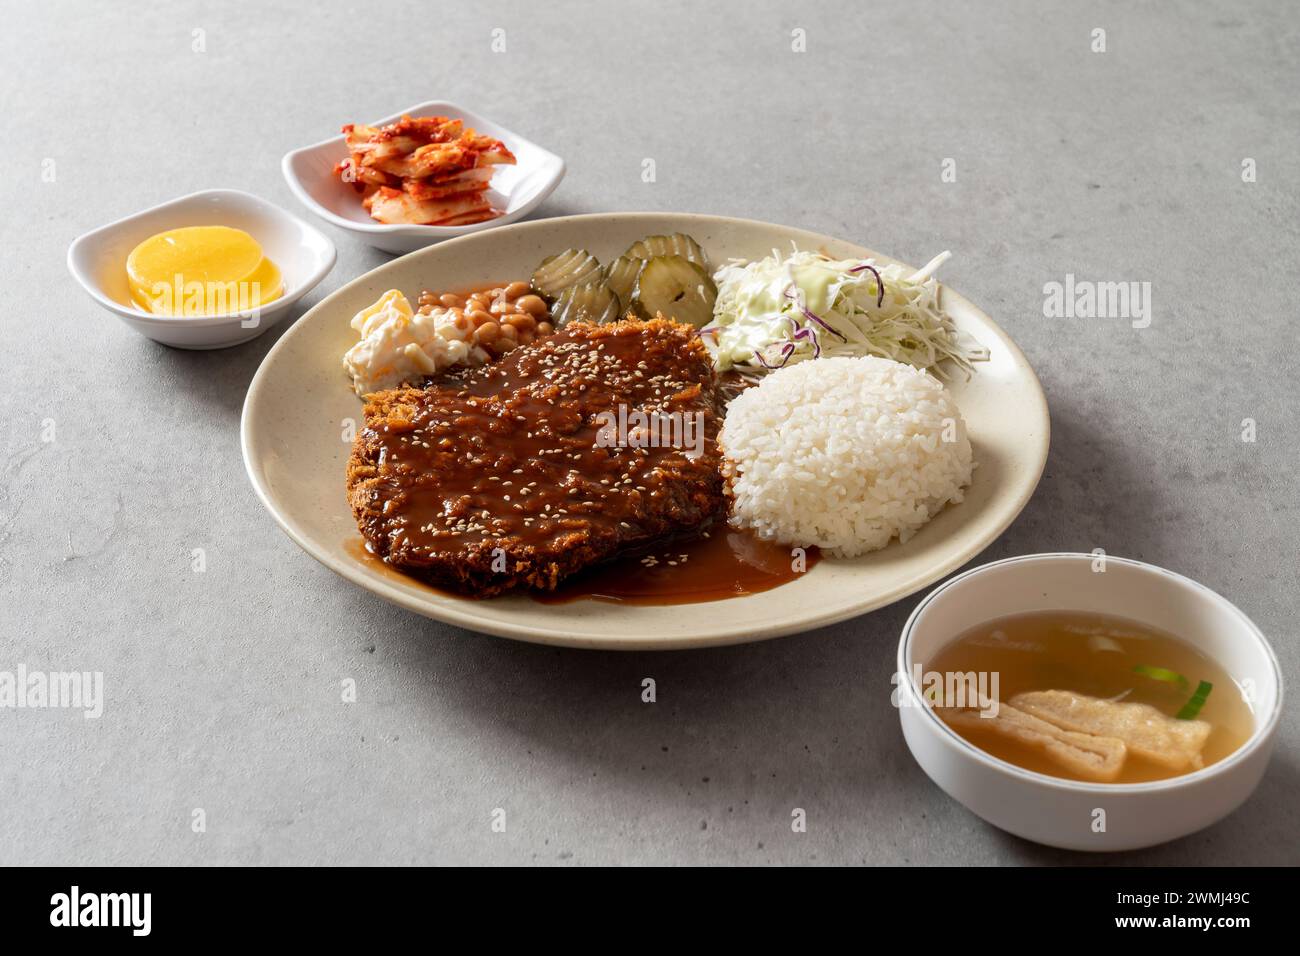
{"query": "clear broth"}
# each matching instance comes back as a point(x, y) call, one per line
point(1096, 655)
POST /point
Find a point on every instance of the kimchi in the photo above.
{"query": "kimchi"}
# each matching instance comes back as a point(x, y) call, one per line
point(425, 170)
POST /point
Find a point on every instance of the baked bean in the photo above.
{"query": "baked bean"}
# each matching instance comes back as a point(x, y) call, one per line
point(532, 304)
point(495, 319)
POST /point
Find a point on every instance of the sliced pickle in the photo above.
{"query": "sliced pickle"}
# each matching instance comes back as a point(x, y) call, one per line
point(678, 244)
point(675, 288)
point(590, 302)
point(569, 268)
point(620, 276)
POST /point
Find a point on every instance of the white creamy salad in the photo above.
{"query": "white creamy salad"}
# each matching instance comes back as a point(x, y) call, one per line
point(400, 345)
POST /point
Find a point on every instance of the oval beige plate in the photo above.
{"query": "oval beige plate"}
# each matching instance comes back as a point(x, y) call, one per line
point(300, 400)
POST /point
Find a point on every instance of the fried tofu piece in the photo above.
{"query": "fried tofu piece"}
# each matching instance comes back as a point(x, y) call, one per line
point(1088, 756)
point(1171, 743)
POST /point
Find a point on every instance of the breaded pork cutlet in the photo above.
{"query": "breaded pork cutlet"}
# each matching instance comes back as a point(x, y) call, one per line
point(506, 478)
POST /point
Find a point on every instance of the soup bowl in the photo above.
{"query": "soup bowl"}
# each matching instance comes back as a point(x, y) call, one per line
point(1064, 813)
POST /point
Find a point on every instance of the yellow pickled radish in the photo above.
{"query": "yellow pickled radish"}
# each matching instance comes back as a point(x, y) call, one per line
point(201, 270)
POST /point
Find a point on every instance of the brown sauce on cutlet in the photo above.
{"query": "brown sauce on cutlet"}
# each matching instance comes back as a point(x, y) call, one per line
point(725, 564)
point(532, 469)
point(361, 553)
point(721, 564)
point(562, 455)
point(506, 477)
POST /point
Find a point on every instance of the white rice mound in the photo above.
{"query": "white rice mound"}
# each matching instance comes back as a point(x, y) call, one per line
point(843, 453)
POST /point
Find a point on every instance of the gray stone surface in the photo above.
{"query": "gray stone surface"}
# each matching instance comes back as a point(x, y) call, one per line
point(223, 687)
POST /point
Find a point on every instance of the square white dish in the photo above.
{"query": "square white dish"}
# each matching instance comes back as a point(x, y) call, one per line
point(516, 190)
point(304, 255)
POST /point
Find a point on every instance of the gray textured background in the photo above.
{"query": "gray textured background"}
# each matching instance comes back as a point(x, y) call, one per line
point(223, 688)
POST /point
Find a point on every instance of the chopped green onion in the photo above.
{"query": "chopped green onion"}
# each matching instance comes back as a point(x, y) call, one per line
point(1193, 706)
point(1161, 673)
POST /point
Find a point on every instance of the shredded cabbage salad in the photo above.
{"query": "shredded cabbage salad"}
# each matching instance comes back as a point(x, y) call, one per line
point(781, 310)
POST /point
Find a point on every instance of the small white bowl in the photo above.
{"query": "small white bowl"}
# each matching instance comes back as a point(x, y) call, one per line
point(516, 190)
point(98, 261)
point(1061, 812)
